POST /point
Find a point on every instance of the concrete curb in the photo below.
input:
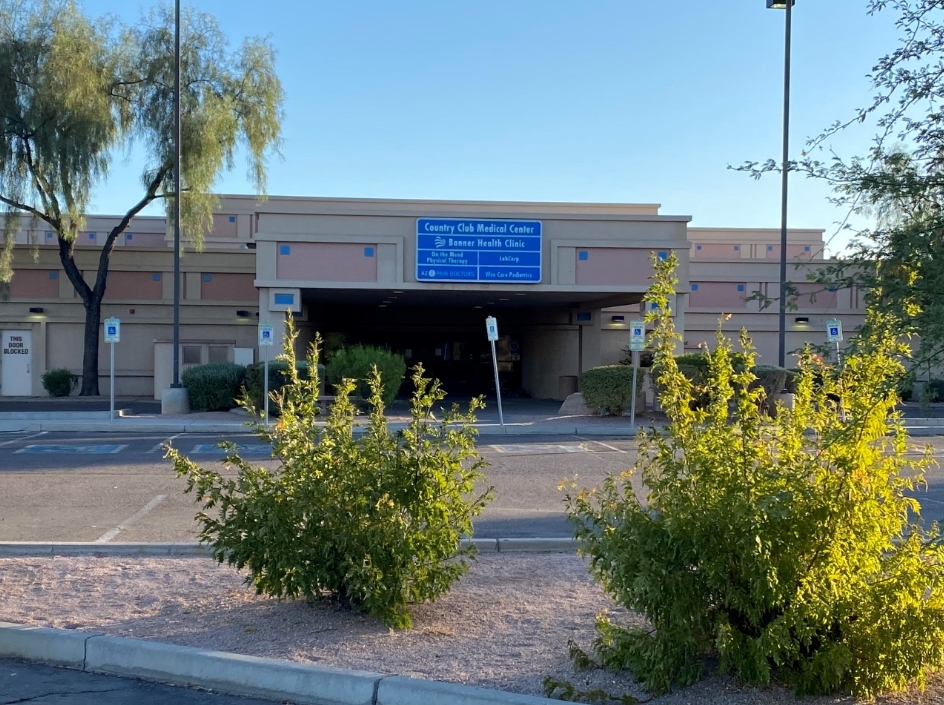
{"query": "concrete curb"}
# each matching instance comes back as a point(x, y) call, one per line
point(237, 674)
point(42, 549)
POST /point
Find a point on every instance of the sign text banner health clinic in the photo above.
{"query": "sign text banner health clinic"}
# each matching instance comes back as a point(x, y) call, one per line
point(468, 250)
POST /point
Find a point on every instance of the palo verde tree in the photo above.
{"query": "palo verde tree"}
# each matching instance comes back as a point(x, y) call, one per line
point(898, 184)
point(75, 92)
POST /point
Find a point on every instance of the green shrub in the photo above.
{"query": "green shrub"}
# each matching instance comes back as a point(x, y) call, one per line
point(356, 362)
point(933, 391)
point(374, 520)
point(278, 377)
point(214, 386)
point(905, 386)
point(645, 357)
point(60, 382)
point(777, 548)
point(772, 379)
point(609, 389)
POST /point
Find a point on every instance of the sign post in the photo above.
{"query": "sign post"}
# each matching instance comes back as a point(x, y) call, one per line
point(265, 342)
point(491, 328)
point(637, 343)
point(112, 336)
point(834, 334)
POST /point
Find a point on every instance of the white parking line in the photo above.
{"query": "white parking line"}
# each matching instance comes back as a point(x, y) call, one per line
point(23, 438)
point(607, 445)
point(160, 445)
point(108, 536)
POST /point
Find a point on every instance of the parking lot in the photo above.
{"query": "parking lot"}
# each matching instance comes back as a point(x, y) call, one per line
point(119, 488)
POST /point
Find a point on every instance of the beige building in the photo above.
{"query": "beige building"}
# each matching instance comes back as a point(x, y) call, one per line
point(563, 280)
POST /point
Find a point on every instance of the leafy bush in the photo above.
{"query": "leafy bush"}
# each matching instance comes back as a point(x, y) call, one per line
point(609, 389)
point(374, 520)
point(781, 547)
point(906, 386)
point(60, 382)
point(278, 377)
point(933, 391)
point(645, 357)
point(214, 386)
point(356, 362)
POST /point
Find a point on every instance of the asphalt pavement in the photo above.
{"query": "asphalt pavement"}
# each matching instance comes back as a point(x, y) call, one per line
point(44, 685)
point(119, 488)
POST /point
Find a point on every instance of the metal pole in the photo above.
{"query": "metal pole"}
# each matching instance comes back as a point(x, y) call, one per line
point(176, 382)
point(782, 347)
point(265, 356)
point(501, 418)
point(632, 406)
point(112, 404)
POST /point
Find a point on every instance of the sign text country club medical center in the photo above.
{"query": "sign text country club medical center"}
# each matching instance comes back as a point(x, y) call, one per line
point(466, 250)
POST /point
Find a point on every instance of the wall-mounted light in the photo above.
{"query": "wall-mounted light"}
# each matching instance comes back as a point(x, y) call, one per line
point(242, 314)
point(617, 319)
point(36, 309)
point(802, 319)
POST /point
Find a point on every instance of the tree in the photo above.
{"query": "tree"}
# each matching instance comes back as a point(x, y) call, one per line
point(899, 183)
point(76, 92)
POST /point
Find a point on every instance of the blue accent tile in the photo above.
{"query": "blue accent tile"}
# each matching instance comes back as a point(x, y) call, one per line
point(156, 276)
point(207, 277)
point(584, 316)
point(54, 275)
point(232, 219)
point(368, 252)
point(737, 248)
point(91, 236)
point(583, 255)
point(48, 234)
point(663, 255)
point(284, 299)
point(697, 247)
point(806, 249)
point(285, 249)
point(694, 287)
point(740, 287)
point(129, 237)
point(770, 248)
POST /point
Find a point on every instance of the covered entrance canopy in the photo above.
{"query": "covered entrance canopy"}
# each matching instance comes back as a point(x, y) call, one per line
point(421, 277)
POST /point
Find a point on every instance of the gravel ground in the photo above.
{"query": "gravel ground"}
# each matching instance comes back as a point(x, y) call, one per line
point(505, 625)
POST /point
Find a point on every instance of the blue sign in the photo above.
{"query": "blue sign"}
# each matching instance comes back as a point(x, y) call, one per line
point(463, 250)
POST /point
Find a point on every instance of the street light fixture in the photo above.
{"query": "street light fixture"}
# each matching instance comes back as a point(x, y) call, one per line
point(782, 342)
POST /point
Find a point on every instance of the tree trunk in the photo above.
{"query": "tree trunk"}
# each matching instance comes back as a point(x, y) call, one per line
point(93, 320)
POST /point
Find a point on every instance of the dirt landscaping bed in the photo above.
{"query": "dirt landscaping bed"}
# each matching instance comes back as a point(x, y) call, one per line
point(506, 625)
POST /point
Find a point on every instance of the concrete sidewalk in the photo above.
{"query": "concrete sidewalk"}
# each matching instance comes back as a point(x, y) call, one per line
point(228, 422)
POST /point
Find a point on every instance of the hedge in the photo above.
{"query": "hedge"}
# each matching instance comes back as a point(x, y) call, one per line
point(608, 389)
point(215, 386)
point(355, 362)
point(60, 382)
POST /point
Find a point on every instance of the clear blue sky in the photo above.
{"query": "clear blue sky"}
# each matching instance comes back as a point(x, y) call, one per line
point(550, 100)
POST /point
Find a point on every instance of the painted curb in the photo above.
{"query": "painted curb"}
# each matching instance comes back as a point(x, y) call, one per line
point(43, 549)
point(237, 674)
point(397, 690)
point(233, 673)
point(57, 647)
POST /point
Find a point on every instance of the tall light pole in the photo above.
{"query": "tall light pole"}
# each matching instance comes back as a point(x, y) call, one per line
point(174, 400)
point(782, 343)
point(176, 383)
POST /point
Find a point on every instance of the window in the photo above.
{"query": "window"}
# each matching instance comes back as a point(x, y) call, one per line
point(191, 354)
point(218, 353)
point(285, 249)
point(284, 299)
